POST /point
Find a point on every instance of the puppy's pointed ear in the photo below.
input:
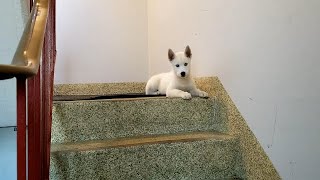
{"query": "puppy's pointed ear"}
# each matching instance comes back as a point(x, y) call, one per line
point(187, 52)
point(171, 54)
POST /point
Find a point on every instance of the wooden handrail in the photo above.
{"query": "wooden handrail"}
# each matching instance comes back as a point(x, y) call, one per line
point(26, 60)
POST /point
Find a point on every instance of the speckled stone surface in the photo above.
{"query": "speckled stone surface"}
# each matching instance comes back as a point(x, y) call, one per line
point(99, 88)
point(251, 163)
point(255, 164)
point(209, 159)
point(103, 119)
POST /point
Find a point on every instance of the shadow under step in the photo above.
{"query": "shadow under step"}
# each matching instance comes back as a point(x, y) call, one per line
point(102, 97)
point(197, 155)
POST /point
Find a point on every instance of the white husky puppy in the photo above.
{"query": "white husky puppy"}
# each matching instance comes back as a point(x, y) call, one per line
point(178, 82)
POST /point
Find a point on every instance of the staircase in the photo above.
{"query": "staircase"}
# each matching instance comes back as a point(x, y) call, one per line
point(151, 137)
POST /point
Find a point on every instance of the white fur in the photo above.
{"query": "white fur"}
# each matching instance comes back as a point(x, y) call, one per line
point(173, 84)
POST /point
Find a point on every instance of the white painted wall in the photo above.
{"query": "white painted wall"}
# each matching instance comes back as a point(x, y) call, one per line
point(265, 52)
point(13, 15)
point(267, 55)
point(101, 41)
point(12, 19)
point(8, 154)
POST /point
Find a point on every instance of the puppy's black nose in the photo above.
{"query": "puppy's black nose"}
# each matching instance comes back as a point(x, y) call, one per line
point(183, 74)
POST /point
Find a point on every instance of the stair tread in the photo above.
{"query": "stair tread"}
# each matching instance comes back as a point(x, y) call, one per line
point(74, 121)
point(139, 140)
point(121, 97)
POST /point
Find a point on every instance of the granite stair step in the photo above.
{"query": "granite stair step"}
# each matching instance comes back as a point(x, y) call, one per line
point(99, 119)
point(93, 127)
point(195, 155)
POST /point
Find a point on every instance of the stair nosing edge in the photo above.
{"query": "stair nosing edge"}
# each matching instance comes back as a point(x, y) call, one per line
point(138, 140)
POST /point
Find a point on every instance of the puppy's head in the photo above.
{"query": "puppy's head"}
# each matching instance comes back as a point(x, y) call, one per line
point(181, 62)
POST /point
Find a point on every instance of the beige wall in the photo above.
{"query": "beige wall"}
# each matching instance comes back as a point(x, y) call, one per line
point(12, 17)
point(265, 52)
point(101, 41)
point(267, 55)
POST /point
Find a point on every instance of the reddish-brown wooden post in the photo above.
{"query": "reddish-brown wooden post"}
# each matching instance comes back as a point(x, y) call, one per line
point(34, 119)
point(31, 127)
point(37, 125)
point(21, 128)
point(47, 71)
point(40, 92)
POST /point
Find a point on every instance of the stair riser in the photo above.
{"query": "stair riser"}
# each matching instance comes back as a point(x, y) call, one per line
point(90, 120)
point(191, 160)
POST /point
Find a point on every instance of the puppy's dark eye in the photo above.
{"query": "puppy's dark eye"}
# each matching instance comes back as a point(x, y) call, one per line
point(185, 64)
point(177, 65)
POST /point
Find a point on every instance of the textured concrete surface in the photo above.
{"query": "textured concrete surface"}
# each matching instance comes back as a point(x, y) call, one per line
point(251, 162)
point(255, 164)
point(89, 120)
point(204, 159)
point(99, 88)
point(139, 140)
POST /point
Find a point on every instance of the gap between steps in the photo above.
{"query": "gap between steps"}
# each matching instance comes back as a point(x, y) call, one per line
point(102, 97)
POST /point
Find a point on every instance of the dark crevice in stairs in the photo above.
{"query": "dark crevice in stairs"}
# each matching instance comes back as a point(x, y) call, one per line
point(101, 97)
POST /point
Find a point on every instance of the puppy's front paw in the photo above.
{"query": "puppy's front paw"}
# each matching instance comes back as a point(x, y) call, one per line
point(186, 95)
point(203, 94)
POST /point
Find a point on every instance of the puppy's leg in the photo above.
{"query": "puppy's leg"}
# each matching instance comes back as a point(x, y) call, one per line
point(152, 87)
point(198, 92)
point(178, 93)
point(152, 91)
